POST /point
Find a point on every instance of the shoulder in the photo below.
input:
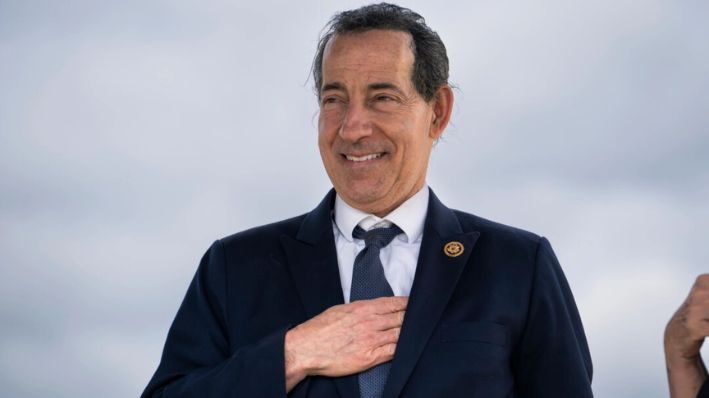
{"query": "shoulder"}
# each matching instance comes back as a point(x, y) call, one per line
point(249, 252)
point(262, 238)
point(495, 232)
point(503, 246)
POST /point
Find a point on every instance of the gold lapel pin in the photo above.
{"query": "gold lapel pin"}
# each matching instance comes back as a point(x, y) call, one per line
point(453, 249)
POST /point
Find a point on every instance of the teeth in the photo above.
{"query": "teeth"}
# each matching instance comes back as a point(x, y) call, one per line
point(363, 158)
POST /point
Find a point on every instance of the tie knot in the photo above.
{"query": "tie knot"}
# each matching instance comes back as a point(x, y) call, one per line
point(377, 237)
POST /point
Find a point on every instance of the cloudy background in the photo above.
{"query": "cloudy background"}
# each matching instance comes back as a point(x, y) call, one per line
point(134, 133)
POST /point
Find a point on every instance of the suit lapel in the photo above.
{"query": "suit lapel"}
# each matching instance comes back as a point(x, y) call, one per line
point(312, 260)
point(436, 276)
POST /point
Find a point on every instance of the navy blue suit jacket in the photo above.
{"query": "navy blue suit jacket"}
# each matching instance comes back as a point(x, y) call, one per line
point(497, 321)
point(704, 392)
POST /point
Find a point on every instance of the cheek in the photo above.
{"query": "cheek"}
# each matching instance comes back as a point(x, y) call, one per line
point(328, 126)
point(326, 148)
point(324, 133)
point(331, 115)
point(417, 152)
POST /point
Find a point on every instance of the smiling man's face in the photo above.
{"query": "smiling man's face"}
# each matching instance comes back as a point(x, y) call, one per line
point(375, 130)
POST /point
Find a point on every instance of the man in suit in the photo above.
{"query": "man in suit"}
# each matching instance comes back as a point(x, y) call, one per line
point(381, 291)
point(684, 336)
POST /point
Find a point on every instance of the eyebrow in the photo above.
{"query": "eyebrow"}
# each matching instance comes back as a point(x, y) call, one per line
point(385, 86)
point(373, 86)
point(332, 86)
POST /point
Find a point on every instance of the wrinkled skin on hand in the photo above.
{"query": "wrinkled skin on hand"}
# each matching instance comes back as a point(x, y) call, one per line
point(684, 336)
point(344, 339)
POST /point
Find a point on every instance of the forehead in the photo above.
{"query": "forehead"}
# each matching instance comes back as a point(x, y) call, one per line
point(372, 53)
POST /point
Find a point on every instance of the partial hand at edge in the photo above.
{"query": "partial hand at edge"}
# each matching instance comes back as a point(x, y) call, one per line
point(684, 336)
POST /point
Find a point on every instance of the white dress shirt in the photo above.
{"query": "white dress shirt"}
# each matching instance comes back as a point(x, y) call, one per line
point(399, 258)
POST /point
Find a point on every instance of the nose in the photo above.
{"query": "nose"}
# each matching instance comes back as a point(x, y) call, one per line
point(356, 123)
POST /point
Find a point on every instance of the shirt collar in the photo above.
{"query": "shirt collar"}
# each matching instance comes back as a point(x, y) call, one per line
point(409, 216)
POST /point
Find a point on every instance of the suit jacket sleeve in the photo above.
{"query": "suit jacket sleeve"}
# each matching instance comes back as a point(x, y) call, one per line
point(553, 358)
point(197, 360)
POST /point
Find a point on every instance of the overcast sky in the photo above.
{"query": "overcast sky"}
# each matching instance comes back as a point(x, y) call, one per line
point(134, 133)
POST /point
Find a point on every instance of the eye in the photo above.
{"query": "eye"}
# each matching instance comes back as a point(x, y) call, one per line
point(330, 100)
point(384, 97)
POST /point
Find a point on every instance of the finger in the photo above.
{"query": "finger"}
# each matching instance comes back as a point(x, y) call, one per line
point(384, 353)
point(383, 337)
point(390, 320)
point(702, 281)
point(385, 305)
point(367, 307)
point(390, 336)
point(699, 295)
point(700, 330)
point(697, 308)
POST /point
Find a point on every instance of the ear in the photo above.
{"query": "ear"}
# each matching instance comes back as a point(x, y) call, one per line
point(442, 109)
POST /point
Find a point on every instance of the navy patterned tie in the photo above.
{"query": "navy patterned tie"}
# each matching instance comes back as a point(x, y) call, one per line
point(368, 282)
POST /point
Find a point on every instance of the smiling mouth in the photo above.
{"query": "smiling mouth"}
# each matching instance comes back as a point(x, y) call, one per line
point(364, 158)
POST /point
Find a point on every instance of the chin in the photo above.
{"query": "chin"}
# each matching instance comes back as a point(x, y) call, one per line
point(364, 198)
